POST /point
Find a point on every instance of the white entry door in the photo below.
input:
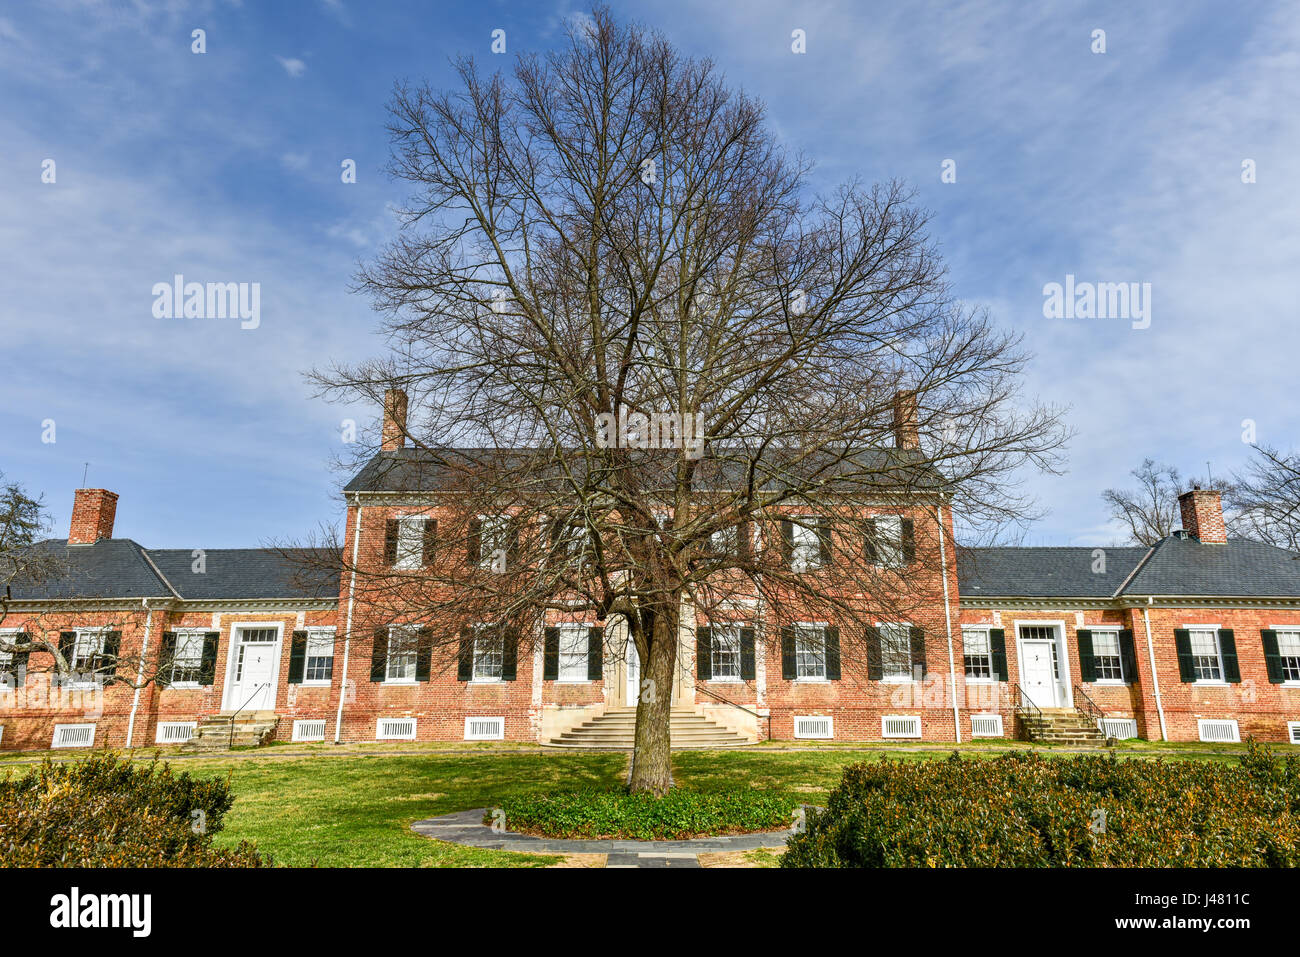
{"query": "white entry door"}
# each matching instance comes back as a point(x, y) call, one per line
point(633, 690)
point(1036, 672)
point(253, 687)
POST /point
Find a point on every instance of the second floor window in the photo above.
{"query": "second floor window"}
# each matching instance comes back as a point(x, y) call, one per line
point(410, 543)
point(806, 544)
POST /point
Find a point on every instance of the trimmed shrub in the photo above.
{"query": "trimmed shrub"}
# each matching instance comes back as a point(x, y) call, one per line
point(618, 813)
point(1020, 810)
point(106, 812)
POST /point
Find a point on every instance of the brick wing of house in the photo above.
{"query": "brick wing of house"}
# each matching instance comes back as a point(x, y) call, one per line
point(1196, 638)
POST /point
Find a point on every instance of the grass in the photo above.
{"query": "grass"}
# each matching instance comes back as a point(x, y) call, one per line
point(353, 806)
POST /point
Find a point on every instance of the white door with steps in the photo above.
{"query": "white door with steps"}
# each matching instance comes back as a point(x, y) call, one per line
point(257, 657)
point(1037, 674)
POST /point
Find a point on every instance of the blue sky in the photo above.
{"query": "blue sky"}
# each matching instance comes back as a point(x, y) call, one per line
point(1115, 167)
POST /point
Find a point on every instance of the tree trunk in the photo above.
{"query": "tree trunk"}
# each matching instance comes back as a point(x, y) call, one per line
point(652, 768)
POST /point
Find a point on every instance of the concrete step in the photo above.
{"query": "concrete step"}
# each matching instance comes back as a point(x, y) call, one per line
point(616, 731)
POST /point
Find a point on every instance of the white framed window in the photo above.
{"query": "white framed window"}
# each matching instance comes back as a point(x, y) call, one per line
point(889, 540)
point(309, 729)
point(174, 732)
point(489, 653)
point(806, 550)
point(187, 659)
point(725, 541)
point(810, 652)
point(8, 680)
point(395, 729)
point(573, 653)
point(895, 651)
point(73, 736)
point(978, 654)
point(402, 649)
point(726, 652)
point(1106, 658)
point(1207, 662)
point(485, 729)
point(318, 669)
point(84, 659)
point(1288, 647)
point(493, 537)
point(814, 726)
point(410, 543)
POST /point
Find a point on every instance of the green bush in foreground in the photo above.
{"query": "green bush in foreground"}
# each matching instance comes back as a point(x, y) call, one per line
point(1020, 810)
point(678, 815)
point(106, 812)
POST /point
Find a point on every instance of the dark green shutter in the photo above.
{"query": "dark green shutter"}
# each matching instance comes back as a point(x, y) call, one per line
point(870, 551)
point(509, 654)
point(1228, 649)
point(917, 637)
point(825, 551)
point(1087, 660)
point(166, 658)
point(465, 660)
point(595, 653)
point(1272, 657)
point(423, 652)
point(875, 658)
point(474, 542)
point(551, 655)
point(390, 542)
point(787, 542)
point(297, 657)
point(1128, 655)
point(106, 665)
point(833, 653)
point(208, 663)
point(67, 641)
point(430, 540)
point(909, 541)
point(379, 655)
point(1186, 666)
point(747, 654)
point(703, 653)
point(998, 648)
point(788, 670)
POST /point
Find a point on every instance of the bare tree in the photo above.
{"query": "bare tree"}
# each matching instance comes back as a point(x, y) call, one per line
point(612, 235)
point(1151, 510)
point(1263, 500)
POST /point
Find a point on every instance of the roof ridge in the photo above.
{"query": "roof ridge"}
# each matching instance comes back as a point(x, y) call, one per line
point(144, 552)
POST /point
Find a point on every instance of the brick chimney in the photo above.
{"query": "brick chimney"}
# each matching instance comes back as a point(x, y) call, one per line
point(906, 435)
point(1203, 515)
point(93, 511)
point(394, 420)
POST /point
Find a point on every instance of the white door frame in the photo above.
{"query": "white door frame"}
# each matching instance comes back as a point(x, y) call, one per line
point(1064, 685)
point(232, 656)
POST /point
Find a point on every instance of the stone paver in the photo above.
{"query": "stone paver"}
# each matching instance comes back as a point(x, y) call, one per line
point(467, 827)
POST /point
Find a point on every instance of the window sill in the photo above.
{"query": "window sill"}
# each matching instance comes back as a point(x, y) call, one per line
point(319, 683)
point(724, 681)
point(562, 681)
point(898, 680)
point(399, 682)
point(185, 685)
point(1215, 683)
point(485, 681)
point(981, 681)
point(1109, 683)
point(812, 681)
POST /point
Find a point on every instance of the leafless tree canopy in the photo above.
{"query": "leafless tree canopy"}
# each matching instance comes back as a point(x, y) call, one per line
point(1264, 499)
point(1150, 512)
point(611, 230)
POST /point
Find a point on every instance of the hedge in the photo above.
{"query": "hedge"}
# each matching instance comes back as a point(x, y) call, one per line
point(107, 812)
point(1021, 810)
point(618, 813)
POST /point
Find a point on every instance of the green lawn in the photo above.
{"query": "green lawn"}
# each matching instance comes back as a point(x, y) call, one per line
point(355, 808)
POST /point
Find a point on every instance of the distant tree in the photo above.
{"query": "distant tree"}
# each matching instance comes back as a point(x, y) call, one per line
point(1150, 512)
point(1263, 499)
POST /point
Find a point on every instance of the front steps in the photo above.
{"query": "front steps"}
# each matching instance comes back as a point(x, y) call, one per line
point(1064, 726)
point(251, 729)
point(615, 731)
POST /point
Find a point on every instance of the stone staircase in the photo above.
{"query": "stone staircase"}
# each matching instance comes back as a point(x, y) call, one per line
point(1064, 726)
point(251, 729)
point(615, 729)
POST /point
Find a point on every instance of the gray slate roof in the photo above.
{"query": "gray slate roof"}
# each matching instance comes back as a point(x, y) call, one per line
point(114, 568)
point(1240, 568)
point(1042, 572)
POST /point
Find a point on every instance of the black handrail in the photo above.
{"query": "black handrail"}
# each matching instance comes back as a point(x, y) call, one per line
point(1026, 704)
point(1090, 711)
point(714, 694)
point(230, 742)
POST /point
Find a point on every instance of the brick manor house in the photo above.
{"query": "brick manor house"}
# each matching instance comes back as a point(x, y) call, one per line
point(1195, 638)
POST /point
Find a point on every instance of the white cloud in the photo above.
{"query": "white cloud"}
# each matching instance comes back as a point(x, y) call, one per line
point(295, 161)
point(292, 66)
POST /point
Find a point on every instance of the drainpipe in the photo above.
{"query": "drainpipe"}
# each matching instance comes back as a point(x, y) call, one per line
point(139, 674)
point(1155, 678)
point(347, 634)
point(947, 614)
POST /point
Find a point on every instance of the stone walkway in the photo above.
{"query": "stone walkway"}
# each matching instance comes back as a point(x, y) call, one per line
point(467, 827)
